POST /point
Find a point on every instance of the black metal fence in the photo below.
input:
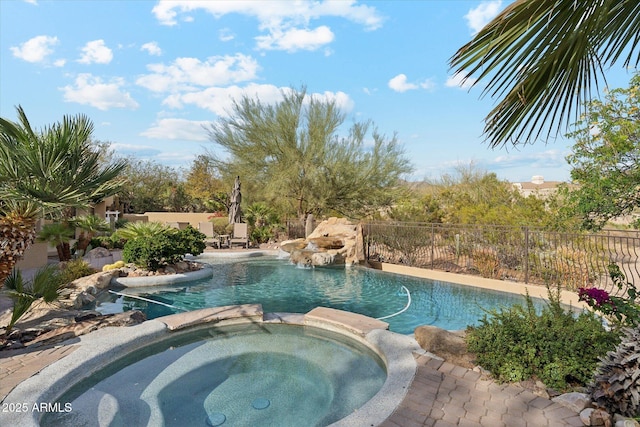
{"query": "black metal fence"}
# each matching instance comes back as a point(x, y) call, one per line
point(520, 254)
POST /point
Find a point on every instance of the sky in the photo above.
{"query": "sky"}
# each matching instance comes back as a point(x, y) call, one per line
point(152, 75)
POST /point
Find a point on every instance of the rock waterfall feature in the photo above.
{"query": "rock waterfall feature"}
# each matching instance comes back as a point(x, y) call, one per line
point(335, 241)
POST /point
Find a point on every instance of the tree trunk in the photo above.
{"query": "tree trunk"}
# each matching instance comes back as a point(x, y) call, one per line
point(16, 235)
point(64, 251)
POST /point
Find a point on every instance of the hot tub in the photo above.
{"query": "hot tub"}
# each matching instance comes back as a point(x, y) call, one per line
point(239, 371)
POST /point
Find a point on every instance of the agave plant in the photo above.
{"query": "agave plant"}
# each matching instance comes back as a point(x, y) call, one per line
point(46, 285)
point(617, 383)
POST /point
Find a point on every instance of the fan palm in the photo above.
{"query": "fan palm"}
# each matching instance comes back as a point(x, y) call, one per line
point(542, 57)
point(44, 173)
point(90, 226)
point(58, 234)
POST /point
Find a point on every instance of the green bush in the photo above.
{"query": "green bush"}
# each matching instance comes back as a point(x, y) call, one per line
point(191, 241)
point(262, 234)
point(75, 269)
point(557, 346)
point(152, 252)
point(155, 251)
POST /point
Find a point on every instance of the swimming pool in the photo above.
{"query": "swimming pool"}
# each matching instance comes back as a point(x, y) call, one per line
point(283, 287)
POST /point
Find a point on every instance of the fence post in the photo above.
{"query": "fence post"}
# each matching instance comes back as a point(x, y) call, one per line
point(526, 254)
point(433, 244)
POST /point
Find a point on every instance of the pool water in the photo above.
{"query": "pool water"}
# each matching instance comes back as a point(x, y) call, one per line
point(283, 287)
point(249, 375)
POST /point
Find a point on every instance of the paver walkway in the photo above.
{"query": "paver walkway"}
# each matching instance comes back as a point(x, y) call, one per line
point(18, 365)
point(444, 395)
point(441, 395)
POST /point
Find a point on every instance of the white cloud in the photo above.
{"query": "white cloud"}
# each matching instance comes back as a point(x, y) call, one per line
point(90, 90)
point(280, 19)
point(35, 49)
point(460, 80)
point(295, 39)
point(400, 84)
point(226, 35)
point(544, 159)
point(59, 62)
point(190, 73)
point(96, 52)
point(35, 2)
point(219, 100)
point(182, 129)
point(480, 16)
point(152, 48)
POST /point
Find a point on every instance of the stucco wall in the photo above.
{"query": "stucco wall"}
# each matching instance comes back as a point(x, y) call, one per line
point(193, 218)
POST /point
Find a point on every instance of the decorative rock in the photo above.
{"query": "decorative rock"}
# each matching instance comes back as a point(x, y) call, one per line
point(600, 417)
point(182, 266)
point(446, 344)
point(99, 252)
point(627, 422)
point(334, 241)
point(574, 401)
point(585, 416)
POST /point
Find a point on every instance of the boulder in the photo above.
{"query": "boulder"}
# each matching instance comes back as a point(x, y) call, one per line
point(335, 241)
point(98, 252)
point(574, 401)
point(451, 346)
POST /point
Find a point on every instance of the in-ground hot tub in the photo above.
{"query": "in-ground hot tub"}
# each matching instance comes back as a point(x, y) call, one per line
point(248, 372)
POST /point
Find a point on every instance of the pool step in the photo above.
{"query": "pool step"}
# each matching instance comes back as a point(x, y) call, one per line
point(246, 312)
point(352, 322)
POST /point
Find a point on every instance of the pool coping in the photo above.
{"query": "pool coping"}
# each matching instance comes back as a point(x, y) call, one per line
point(100, 347)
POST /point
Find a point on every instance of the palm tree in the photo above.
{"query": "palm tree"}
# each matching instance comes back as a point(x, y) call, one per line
point(45, 285)
point(90, 226)
point(542, 57)
point(43, 173)
point(58, 234)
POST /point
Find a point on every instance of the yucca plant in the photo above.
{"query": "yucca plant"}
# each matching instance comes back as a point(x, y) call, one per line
point(616, 386)
point(46, 172)
point(45, 286)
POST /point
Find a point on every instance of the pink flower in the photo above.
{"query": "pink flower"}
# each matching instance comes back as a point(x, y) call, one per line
point(594, 295)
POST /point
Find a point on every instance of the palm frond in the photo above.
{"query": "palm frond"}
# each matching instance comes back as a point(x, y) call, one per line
point(543, 58)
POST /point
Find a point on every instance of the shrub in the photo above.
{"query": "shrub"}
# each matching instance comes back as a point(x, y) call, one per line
point(621, 310)
point(75, 269)
point(487, 263)
point(557, 346)
point(191, 241)
point(152, 252)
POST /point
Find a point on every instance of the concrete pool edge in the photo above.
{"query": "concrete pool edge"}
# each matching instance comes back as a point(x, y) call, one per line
point(103, 346)
point(536, 291)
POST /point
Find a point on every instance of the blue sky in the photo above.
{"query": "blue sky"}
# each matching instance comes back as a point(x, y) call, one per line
point(150, 74)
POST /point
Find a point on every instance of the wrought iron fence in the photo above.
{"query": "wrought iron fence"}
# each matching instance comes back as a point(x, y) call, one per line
point(521, 254)
point(295, 229)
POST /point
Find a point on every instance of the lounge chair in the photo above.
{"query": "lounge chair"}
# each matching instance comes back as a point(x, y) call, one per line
point(240, 234)
point(213, 238)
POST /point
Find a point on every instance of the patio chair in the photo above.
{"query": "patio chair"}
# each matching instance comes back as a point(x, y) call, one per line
point(213, 238)
point(240, 234)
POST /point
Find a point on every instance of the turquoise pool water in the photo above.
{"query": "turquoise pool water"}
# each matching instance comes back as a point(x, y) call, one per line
point(283, 287)
point(243, 375)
